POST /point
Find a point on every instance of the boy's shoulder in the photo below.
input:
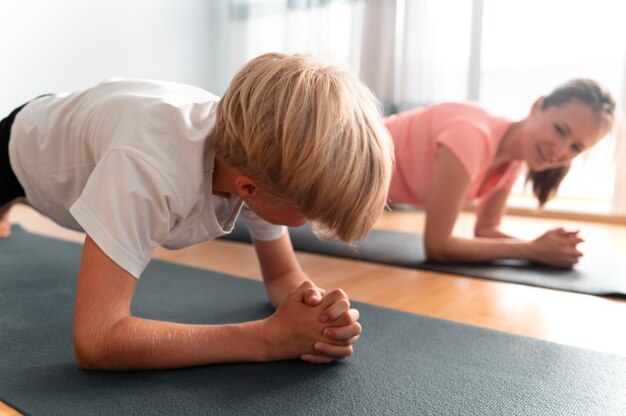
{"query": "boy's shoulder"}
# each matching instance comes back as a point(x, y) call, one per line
point(152, 89)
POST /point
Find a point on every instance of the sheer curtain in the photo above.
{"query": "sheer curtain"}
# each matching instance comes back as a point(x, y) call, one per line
point(435, 53)
point(328, 29)
point(503, 53)
point(409, 52)
point(529, 48)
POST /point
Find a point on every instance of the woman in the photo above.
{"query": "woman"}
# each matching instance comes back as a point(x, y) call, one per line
point(453, 153)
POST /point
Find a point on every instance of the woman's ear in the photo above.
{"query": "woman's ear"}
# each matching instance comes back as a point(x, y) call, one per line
point(246, 187)
point(537, 104)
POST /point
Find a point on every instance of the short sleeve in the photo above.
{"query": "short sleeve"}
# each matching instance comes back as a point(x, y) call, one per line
point(469, 144)
point(127, 208)
point(259, 228)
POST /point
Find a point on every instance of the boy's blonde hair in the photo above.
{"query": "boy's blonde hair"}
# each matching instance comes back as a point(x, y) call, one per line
point(309, 134)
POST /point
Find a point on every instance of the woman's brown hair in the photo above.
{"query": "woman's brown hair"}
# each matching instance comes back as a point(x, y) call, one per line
point(546, 183)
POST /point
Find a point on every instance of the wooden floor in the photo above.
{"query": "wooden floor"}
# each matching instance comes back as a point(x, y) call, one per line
point(581, 320)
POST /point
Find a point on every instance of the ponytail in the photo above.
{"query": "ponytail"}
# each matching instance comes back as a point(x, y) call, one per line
point(546, 182)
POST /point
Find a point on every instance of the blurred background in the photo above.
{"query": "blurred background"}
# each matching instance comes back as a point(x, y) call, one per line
point(502, 53)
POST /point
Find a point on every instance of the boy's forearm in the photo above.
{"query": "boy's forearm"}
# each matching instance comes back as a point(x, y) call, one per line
point(279, 287)
point(138, 344)
point(280, 269)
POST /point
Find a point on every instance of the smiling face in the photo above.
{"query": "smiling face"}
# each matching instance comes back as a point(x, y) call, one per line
point(555, 135)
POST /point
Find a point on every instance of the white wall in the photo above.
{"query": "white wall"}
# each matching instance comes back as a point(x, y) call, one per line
point(64, 45)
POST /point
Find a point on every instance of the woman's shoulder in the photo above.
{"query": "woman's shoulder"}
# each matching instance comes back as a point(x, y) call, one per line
point(468, 110)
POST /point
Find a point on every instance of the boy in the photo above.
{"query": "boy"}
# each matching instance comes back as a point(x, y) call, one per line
point(138, 164)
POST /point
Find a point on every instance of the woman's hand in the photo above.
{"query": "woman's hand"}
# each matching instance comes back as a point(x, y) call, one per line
point(557, 248)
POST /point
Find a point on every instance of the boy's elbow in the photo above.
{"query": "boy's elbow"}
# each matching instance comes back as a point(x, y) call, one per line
point(85, 353)
point(88, 352)
point(86, 362)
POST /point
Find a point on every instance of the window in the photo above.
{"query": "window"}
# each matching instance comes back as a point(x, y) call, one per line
point(530, 47)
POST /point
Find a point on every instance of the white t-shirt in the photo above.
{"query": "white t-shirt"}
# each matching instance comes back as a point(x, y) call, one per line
point(128, 162)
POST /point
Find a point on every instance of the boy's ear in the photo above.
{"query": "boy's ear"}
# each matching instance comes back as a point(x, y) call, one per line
point(246, 187)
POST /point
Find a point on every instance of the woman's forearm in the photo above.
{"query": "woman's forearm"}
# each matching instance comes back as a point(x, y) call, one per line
point(456, 249)
point(492, 233)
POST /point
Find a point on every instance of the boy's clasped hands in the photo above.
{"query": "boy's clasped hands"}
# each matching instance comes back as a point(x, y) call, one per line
point(312, 325)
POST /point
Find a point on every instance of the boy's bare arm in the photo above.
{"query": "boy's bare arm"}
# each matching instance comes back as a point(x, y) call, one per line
point(107, 337)
point(280, 269)
point(282, 274)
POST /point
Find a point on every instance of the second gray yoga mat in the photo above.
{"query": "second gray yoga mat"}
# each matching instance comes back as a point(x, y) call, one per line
point(405, 364)
point(601, 274)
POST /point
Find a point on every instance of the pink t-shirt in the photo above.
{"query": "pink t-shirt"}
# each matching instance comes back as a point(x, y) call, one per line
point(472, 134)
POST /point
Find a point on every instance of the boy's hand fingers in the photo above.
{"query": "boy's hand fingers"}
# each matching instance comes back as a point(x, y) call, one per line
point(316, 359)
point(332, 297)
point(299, 294)
point(349, 317)
point(343, 333)
point(313, 296)
point(334, 311)
point(333, 351)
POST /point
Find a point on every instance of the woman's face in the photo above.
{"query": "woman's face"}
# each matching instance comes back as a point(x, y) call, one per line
point(556, 135)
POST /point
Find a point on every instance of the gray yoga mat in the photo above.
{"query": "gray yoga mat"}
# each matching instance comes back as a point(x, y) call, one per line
point(404, 364)
point(601, 274)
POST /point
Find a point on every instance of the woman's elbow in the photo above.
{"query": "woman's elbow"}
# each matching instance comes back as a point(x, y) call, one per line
point(436, 251)
point(480, 232)
point(485, 232)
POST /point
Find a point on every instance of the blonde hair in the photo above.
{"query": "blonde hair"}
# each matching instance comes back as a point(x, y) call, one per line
point(309, 134)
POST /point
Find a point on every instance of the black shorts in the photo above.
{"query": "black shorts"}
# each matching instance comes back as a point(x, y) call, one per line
point(10, 187)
